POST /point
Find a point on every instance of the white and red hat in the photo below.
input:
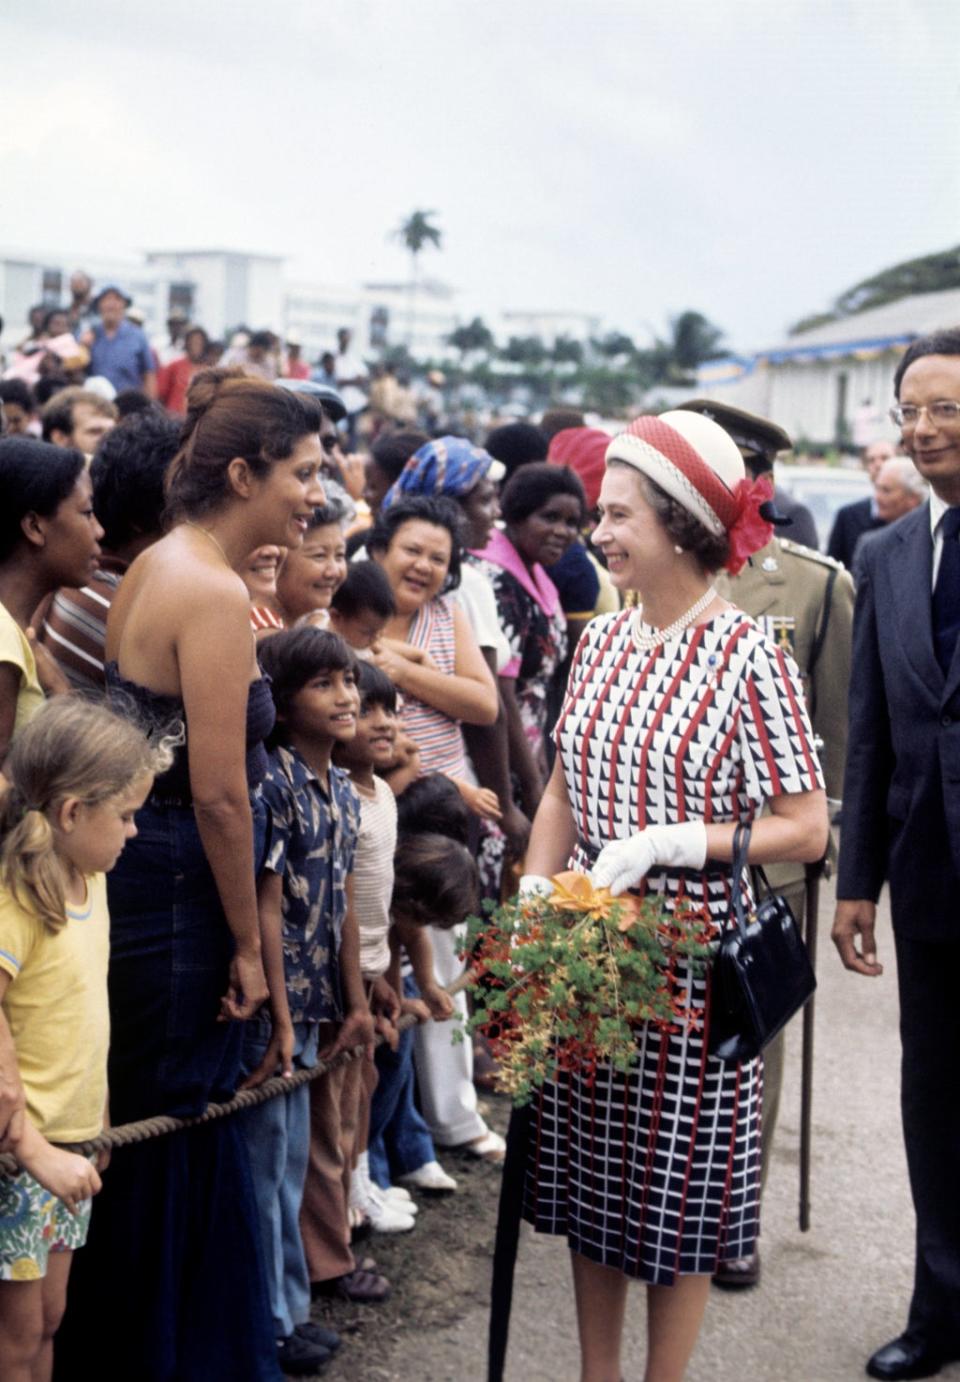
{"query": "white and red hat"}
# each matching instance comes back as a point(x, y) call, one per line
point(699, 465)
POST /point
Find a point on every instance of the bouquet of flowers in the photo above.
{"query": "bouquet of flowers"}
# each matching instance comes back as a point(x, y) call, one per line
point(562, 981)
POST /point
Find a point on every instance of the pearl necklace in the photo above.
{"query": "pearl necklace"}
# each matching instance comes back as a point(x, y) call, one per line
point(646, 638)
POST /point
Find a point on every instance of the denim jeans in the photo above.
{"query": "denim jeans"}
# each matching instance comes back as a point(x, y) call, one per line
point(277, 1134)
point(400, 1140)
point(170, 953)
point(172, 1273)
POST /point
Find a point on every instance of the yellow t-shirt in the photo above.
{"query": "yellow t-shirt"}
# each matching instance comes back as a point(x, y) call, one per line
point(15, 649)
point(56, 1007)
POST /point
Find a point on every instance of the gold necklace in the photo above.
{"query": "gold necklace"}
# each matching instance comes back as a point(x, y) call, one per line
point(207, 533)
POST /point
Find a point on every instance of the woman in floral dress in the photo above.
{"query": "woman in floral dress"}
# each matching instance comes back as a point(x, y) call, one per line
point(542, 507)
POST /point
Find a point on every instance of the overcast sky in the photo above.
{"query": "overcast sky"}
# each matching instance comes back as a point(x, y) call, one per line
point(746, 158)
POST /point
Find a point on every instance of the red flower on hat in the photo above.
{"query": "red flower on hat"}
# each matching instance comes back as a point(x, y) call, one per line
point(750, 530)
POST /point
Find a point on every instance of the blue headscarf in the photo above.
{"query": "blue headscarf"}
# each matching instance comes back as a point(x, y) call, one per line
point(448, 466)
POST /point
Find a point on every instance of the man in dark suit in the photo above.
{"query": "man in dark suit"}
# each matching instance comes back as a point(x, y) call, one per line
point(853, 520)
point(901, 823)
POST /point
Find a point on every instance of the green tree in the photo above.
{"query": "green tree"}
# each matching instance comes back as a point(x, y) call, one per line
point(473, 336)
point(928, 274)
point(607, 390)
point(567, 351)
point(525, 350)
point(694, 340)
point(612, 344)
point(416, 233)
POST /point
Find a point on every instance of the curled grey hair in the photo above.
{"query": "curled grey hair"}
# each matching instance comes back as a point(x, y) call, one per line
point(908, 475)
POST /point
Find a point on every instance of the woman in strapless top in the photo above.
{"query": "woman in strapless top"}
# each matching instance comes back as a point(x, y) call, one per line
point(172, 1281)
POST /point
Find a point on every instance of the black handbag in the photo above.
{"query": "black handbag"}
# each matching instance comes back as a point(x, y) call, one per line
point(761, 974)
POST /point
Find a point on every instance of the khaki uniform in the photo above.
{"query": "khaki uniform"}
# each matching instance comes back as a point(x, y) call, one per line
point(786, 588)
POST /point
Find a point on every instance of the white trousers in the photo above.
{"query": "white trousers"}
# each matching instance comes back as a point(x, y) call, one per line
point(445, 1069)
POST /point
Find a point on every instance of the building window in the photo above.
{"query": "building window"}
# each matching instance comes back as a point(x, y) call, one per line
point(181, 295)
point(51, 286)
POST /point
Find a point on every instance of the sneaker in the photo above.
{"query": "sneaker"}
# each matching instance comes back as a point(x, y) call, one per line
point(386, 1217)
point(316, 1334)
point(398, 1193)
point(398, 1198)
point(430, 1177)
point(298, 1357)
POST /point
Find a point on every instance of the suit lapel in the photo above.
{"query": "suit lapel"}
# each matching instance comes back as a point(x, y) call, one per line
point(911, 579)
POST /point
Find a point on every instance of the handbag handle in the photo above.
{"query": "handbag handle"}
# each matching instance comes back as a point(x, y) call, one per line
point(741, 847)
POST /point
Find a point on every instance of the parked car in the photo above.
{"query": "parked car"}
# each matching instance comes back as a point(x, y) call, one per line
point(823, 489)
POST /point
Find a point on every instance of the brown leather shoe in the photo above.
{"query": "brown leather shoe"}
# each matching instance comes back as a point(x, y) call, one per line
point(739, 1274)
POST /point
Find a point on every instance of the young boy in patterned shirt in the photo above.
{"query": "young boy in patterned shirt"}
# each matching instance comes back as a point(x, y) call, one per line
point(311, 953)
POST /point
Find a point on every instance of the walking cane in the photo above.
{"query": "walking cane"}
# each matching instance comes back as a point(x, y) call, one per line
point(508, 1237)
point(812, 882)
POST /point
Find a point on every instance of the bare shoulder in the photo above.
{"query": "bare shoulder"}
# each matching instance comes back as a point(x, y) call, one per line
point(171, 573)
point(169, 594)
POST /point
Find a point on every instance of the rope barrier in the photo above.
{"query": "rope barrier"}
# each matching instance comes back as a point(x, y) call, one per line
point(128, 1134)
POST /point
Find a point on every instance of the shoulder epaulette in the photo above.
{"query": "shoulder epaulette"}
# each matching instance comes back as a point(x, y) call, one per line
point(797, 549)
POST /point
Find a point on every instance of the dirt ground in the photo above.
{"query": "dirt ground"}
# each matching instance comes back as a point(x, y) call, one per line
point(438, 1272)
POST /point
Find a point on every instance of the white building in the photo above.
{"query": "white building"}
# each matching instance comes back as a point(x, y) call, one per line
point(548, 326)
point(228, 288)
point(27, 280)
point(313, 313)
point(222, 289)
point(418, 315)
point(819, 383)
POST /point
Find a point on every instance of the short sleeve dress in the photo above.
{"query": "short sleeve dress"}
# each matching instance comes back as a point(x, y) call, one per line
point(656, 1173)
point(438, 737)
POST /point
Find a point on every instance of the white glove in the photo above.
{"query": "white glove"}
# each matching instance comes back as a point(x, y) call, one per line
point(623, 863)
point(535, 885)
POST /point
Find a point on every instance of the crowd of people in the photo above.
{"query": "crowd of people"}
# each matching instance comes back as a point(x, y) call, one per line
point(328, 703)
point(98, 343)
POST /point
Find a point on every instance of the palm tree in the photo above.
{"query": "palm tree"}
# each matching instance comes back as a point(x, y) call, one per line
point(416, 232)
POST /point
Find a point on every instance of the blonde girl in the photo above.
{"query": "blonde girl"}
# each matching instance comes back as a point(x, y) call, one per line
point(77, 773)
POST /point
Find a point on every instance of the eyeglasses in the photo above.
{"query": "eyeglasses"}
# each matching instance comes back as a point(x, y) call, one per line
point(942, 414)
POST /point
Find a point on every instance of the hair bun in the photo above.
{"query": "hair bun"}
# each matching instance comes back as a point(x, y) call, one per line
point(208, 384)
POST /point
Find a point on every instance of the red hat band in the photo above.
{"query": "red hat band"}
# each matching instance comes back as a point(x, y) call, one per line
point(678, 451)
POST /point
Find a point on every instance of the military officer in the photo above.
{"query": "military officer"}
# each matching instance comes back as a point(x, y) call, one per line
point(804, 601)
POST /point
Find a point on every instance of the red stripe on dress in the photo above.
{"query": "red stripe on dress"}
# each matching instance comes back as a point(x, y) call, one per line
point(797, 719)
point(690, 731)
point(665, 700)
point(731, 1158)
point(590, 1197)
point(573, 691)
point(590, 726)
point(693, 1134)
point(761, 728)
point(656, 1108)
point(584, 676)
point(739, 631)
point(719, 757)
point(685, 458)
point(618, 737)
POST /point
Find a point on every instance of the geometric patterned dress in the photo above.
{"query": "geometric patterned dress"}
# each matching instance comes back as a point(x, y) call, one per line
point(656, 1173)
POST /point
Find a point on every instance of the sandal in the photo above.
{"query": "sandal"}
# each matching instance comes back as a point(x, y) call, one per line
point(486, 1072)
point(363, 1286)
point(489, 1147)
